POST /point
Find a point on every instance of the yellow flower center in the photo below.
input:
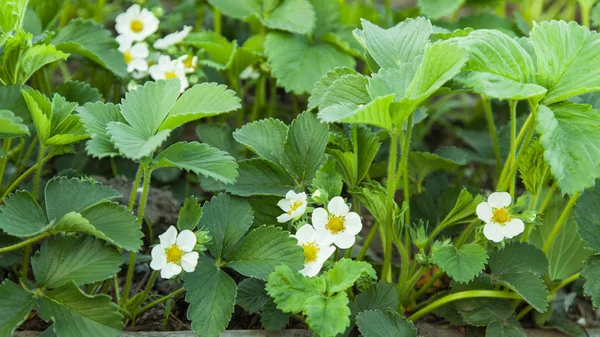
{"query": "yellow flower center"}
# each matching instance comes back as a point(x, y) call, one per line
point(500, 216)
point(294, 206)
point(310, 251)
point(188, 63)
point(170, 74)
point(136, 26)
point(174, 254)
point(127, 57)
point(335, 224)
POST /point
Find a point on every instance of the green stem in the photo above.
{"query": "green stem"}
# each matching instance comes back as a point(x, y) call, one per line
point(160, 300)
point(548, 198)
point(553, 291)
point(560, 222)
point(116, 288)
point(24, 243)
point(460, 296)
point(487, 107)
point(404, 167)
point(217, 20)
point(99, 15)
point(136, 184)
point(24, 175)
point(38, 172)
point(585, 13)
point(429, 283)
point(32, 146)
point(5, 149)
point(514, 164)
point(529, 124)
point(513, 141)
point(149, 286)
point(391, 191)
point(368, 240)
point(466, 232)
point(113, 167)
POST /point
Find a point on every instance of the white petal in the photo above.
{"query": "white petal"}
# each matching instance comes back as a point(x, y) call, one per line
point(159, 259)
point(164, 61)
point(186, 240)
point(160, 44)
point(513, 228)
point(484, 212)
point(284, 218)
point(300, 197)
point(170, 270)
point(352, 223)
point(124, 42)
point(290, 195)
point(324, 238)
point(337, 206)
point(284, 204)
point(499, 199)
point(325, 252)
point(319, 218)
point(156, 73)
point(137, 64)
point(184, 83)
point(134, 10)
point(306, 233)
point(299, 211)
point(344, 241)
point(189, 261)
point(168, 238)
point(140, 50)
point(493, 231)
point(311, 269)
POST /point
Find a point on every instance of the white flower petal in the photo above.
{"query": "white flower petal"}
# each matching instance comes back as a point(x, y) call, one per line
point(499, 199)
point(325, 253)
point(284, 218)
point(484, 212)
point(306, 233)
point(337, 206)
point(189, 261)
point(140, 50)
point(137, 65)
point(344, 241)
point(513, 228)
point(324, 238)
point(319, 218)
point(290, 195)
point(311, 269)
point(299, 211)
point(156, 73)
point(159, 259)
point(284, 204)
point(186, 240)
point(352, 223)
point(168, 238)
point(170, 270)
point(493, 231)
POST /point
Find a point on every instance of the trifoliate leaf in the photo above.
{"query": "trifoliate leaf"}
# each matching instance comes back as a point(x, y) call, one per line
point(273, 319)
point(95, 117)
point(587, 217)
point(570, 135)
point(348, 89)
point(252, 295)
point(227, 219)
point(91, 40)
point(565, 71)
point(591, 273)
point(83, 260)
point(327, 316)
point(298, 64)
point(262, 250)
point(211, 295)
point(435, 9)
point(375, 113)
point(265, 137)
point(345, 273)
point(321, 87)
point(80, 92)
point(392, 80)
point(21, 215)
point(354, 166)
point(290, 289)
point(41, 110)
point(11, 126)
point(11, 17)
point(382, 296)
point(133, 143)
point(376, 323)
point(497, 86)
point(261, 177)
point(462, 264)
point(64, 195)
point(15, 306)
point(200, 159)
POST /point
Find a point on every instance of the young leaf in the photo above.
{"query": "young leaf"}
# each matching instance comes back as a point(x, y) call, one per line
point(40, 109)
point(291, 289)
point(382, 296)
point(211, 295)
point(262, 250)
point(15, 306)
point(252, 295)
point(95, 117)
point(565, 71)
point(462, 264)
point(321, 87)
point(389, 324)
point(435, 9)
point(21, 215)
point(11, 17)
point(261, 177)
point(327, 316)
point(273, 319)
point(571, 139)
point(200, 159)
point(348, 89)
point(265, 137)
point(133, 143)
point(62, 259)
point(591, 273)
point(80, 92)
point(587, 216)
point(227, 219)
point(76, 314)
point(189, 214)
point(392, 80)
point(91, 40)
point(376, 113)
point(11, 126)
point(328, 181)
point(345, 273)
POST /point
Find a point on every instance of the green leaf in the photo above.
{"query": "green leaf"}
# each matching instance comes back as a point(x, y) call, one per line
point(483, 311)
point(296, 16)
point(15, 306)
point(265, 137)
point(220, 136)
point(21, 215)
point(227, 219)
point(189, 214)
point(399, 44)
point(29, 58)
point(587, 216)
point(327, 316)
point(373, 196)
point(236, 8)
point(499, 87)
point(11, 17)
point(11, 99)
point(565, 72)
point(532, 168)
point(462, 264)
point(95, 117)
point(345, 273)
point(376, 113)
point(422, 164)
point(305, 147)
point(91, 40)
point(83, 260)
point(348, 89)
point(200, 101)
point(11, 126)
point(382, 296)
point(298, 64)
point(570, 135)
point(76, 314)
point(321, 87)
point(273, 319)
point(133, 143)
point(392, 80)
point(40, 109)
point(211, 295)
point(504, 329)
point(328, 181)
point(200, 159)
point(64, 195)
point(262, 250)
point(354, 166)
point(591, 273)
point(389, 324)
point(80, 92)
point(464, 208)
point(290, 289)
point(252, 295)
point(261, 177)
point(436, 9)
